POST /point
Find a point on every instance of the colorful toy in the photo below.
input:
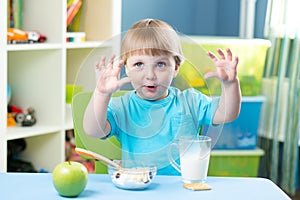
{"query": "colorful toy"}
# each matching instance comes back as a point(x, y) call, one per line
point(29, 118)
point(17, 116)
point(17, 36)
point(35, 36)
point(10, 120)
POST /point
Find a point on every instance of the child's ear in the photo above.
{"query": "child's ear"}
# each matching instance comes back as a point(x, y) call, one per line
point(176, 70)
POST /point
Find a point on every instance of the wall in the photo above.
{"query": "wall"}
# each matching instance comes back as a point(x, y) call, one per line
point(193, 17)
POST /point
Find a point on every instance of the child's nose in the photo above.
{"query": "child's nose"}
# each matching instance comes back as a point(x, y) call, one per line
point(150, 73)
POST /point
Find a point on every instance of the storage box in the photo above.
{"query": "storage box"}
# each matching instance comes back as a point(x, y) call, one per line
point(251, 53)
point(242, 163)
point(241, 133)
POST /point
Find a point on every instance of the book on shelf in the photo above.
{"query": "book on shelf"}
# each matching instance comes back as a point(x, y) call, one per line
point(14, 14)
point(74, 8)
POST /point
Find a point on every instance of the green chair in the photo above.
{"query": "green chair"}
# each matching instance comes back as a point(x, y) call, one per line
point(109, 147)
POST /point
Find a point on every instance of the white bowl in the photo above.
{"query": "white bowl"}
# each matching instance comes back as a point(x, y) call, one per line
point(134, 177)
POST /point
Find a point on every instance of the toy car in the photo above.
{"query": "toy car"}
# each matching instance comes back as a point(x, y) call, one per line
point(34, 36)
point(16, 36)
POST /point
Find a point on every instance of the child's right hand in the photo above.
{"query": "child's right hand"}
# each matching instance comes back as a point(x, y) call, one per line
point(107, 76)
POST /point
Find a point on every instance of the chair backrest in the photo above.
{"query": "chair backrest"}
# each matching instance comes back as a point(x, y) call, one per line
point(109, 147)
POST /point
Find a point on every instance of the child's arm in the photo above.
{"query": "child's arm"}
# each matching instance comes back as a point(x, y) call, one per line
point(230, 100)
point(95, 121)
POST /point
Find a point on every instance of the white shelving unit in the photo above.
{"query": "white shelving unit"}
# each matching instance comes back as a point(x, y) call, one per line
point(38, 73)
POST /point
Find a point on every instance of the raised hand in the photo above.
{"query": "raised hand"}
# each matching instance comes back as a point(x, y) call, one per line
point(226, 67)
point(107, 76)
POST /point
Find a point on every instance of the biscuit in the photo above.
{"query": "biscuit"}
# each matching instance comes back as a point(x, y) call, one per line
point(196, 186)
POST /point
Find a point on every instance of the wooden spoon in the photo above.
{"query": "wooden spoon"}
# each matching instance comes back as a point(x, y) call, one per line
point(97, 157)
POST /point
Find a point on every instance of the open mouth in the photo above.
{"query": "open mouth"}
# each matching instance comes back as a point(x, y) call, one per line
point(151, 86)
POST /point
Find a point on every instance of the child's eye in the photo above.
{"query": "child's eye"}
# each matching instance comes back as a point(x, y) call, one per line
point(161, 65)
point(138, 65)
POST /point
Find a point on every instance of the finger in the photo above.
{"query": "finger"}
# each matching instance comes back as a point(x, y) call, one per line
point(116, 70)
point(111, 61)
point(120, 63)
point(210, 75)
point(101, 64)
point(112, 58)
point(123, 81)
point(212, 56)
point(221, 53)
point(229, 54)
point(236, 60)
point(97, 66)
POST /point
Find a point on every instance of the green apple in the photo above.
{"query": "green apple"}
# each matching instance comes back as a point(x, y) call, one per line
point(70, 178)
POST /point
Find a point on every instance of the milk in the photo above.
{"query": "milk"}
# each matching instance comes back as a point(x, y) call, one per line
point(194, 158)
point(194, 169)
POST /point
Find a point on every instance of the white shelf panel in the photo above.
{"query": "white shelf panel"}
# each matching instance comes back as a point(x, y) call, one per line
point(69, 125)
point(68, 117)
point(87, 44)
point(31, 47)
point(24, 132)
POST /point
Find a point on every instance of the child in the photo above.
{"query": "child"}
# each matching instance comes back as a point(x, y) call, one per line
point(149, 118)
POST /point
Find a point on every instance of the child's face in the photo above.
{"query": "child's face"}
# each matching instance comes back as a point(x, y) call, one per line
point(151, 76)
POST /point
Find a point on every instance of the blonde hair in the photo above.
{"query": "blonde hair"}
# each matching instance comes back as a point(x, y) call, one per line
point(152, 37)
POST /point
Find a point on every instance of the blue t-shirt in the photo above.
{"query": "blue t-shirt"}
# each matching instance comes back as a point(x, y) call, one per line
point(146, 129)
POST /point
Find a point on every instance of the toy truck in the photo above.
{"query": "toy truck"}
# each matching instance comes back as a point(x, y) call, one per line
point(17, 36)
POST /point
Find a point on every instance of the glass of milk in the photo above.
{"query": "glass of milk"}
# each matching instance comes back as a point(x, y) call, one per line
point(194, 158)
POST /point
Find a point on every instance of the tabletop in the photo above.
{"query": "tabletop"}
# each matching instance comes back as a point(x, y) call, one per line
point(16, 186)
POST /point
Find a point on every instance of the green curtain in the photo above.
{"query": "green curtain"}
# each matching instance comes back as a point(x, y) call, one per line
point(279, 127)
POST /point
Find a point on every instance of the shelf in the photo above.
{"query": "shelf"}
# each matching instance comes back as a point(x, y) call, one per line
point(32, 47)
point(25, 132)
point(88, 44)
point(38, 73)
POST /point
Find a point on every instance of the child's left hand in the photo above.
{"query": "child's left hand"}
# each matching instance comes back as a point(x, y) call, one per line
point(226, 68)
